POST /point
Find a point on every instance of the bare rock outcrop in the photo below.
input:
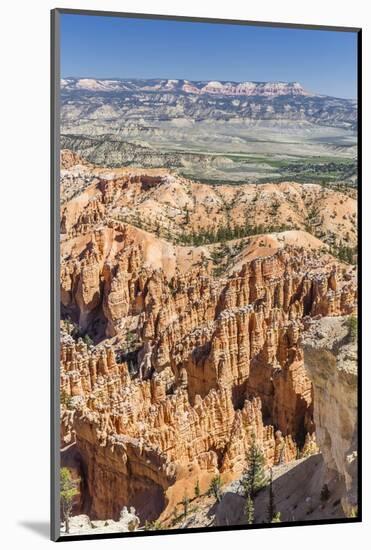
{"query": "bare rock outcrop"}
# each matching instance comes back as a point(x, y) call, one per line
point(174, 207)
point(219, 363)
point(82, 524)
point(330, 358)
point(170, 369)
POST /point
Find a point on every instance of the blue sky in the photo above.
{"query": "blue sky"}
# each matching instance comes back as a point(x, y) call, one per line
point(96, 46)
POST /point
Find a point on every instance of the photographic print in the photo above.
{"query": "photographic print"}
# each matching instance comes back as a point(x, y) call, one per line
point(206, 192)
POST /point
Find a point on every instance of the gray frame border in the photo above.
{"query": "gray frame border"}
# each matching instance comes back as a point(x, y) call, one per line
point(55, 274)
point(55, 268)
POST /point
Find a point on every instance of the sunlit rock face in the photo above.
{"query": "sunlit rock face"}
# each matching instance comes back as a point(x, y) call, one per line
point(170, 367)
point(330, 355)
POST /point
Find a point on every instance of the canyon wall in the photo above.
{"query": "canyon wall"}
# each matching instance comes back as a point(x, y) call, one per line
point(330, 357)
point(218, 363)
point(171, 364)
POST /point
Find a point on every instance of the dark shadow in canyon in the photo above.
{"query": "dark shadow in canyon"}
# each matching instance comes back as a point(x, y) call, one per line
point(71, 458)
point(297, 496)
point(146, 496)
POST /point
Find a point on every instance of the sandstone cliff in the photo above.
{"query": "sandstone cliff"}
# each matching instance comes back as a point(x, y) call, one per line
point(170, 367)
point(217, 364)
point(330, 357)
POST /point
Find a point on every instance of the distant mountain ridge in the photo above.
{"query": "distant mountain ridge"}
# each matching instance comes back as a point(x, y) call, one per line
point(120, 102)
point(195, 126)
point(215, 87)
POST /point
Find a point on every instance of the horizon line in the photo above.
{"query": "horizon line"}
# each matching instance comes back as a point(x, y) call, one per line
point(211, 80)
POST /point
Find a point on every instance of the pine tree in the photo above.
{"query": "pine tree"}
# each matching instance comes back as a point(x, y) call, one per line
point(352, 326)
point(214, 488)
point(276, 518)
point(88, 341)
point(153, 526)
point(68, 491)
point(185, 502)
point(197, 489)
point(249, 510)
point(66, 399)
point(254, 477)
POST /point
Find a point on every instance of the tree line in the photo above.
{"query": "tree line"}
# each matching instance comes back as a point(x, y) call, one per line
point(343, 253)
point(228, 233)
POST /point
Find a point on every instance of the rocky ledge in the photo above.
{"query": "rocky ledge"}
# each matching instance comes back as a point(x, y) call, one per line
point(82, 524)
